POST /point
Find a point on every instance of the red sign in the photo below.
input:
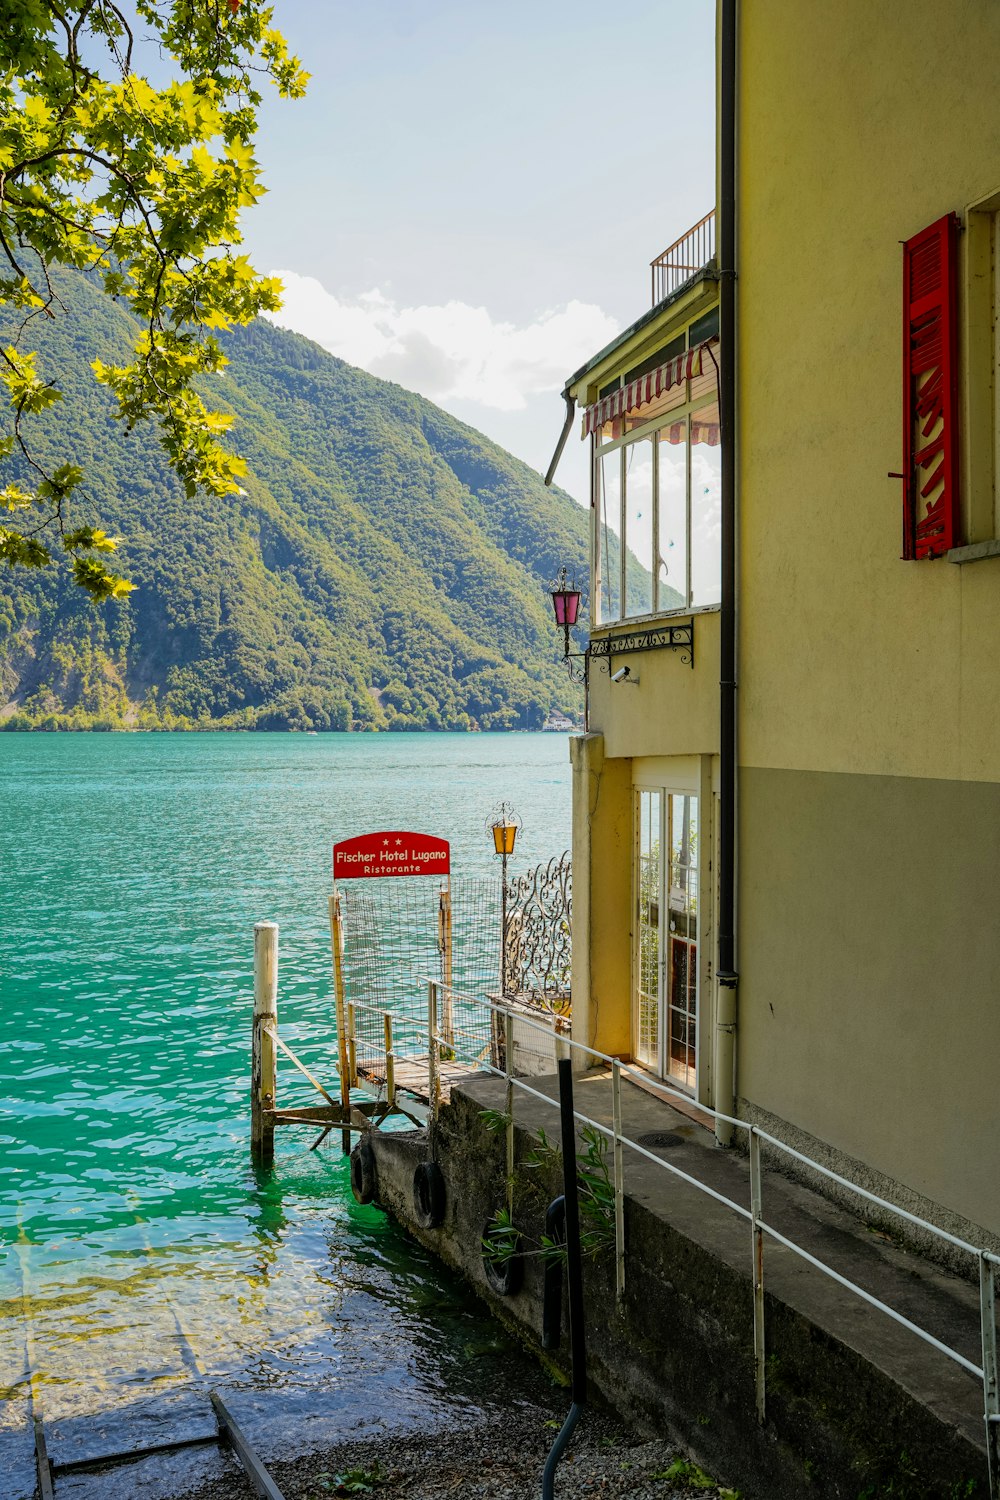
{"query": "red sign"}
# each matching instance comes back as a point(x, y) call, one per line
point(376, 854)
point(930, 390)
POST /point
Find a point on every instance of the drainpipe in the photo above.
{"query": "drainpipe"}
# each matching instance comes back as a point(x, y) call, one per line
point(728, 978)
point(557, 455)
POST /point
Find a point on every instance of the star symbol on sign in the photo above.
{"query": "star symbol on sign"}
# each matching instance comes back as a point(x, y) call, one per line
point(385, 843)
point(398, 842)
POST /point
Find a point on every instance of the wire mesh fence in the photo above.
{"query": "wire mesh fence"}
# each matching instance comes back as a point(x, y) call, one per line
point(398, 934)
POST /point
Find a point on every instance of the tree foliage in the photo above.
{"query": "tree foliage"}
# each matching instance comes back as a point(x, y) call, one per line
point(140, 185)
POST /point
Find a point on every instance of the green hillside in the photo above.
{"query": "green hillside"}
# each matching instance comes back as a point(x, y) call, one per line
point(385, 568)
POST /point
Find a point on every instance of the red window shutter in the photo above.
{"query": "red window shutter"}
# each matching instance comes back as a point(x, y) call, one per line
point(930, 390)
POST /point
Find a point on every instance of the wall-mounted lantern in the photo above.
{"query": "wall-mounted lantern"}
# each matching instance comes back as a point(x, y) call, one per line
point(566, 604)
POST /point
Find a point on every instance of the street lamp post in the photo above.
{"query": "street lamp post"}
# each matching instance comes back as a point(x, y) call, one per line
point(503, 825)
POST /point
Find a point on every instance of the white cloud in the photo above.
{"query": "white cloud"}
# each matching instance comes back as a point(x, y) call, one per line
point(452, 352)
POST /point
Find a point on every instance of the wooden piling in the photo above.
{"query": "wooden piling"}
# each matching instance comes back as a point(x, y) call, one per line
point(263, 1080)
point(337, 944)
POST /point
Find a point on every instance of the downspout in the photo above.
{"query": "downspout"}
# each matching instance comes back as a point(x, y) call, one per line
point(728, 978)
point(557, 455)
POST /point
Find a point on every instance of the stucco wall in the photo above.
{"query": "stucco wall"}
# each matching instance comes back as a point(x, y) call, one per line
point(857, 131)
point(869, 1004)
point(869, 700)
point(672, 710)
point(602, 881)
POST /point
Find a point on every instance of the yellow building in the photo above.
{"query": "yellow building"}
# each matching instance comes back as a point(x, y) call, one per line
point(822, 833)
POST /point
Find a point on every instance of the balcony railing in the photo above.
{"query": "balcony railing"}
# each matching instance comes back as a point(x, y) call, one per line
point(683, 258)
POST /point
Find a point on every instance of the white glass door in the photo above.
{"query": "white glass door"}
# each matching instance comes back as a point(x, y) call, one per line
point(649, 890)
point(665, 971)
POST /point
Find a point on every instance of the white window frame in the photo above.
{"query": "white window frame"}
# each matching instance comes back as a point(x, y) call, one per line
point(681, 412)
point(981, 373)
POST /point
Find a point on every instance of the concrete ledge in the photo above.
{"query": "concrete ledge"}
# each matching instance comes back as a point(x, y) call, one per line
point(973, 552)
point(854, 1401)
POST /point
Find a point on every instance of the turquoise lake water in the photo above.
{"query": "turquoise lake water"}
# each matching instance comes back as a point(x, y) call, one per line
point(139, 1252)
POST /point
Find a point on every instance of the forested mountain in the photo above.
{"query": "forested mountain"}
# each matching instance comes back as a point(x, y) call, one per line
point(385, 567)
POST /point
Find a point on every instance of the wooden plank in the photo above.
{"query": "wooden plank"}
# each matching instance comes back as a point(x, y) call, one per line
point(317, 1114)
point(42, 1466)
point(325, 1114)
point(303, 1069)
point(234, 1435)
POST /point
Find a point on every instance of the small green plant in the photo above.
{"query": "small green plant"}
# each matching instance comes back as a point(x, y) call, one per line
point(688, 1473)
point(351, 1481)
point(495, 1120)
point(596, 1194)
point(501, 1240)
point(596, 1197)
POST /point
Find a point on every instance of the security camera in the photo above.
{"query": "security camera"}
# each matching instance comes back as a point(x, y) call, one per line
point(623, 674)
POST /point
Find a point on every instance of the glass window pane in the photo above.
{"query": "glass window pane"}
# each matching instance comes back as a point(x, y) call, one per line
point(639, 528)
point(672, 557)
point(609, 523)
point(706, 506)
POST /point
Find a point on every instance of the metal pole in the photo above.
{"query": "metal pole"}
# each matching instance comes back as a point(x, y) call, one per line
point(508, 1052)
point(503, 927)
point(574, 1261)
point(574, 1271)
point(616, 1103)
point(263, 1079)
point(991, 1399)
point(757, 1238)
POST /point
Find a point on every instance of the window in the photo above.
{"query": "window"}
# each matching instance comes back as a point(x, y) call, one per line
point(981, 416)
point(657, 497)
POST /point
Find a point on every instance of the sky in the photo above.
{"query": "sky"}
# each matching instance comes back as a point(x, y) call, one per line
point(468, 198)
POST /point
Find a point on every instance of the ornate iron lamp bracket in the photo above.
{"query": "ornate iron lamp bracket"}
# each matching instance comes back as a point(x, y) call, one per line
point(661, 637)
point(578, 673)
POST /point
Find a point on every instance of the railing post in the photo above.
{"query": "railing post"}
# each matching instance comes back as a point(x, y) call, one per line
point(508, 1061)
point(390, 1063)
point(991, 1399)
point(352, 1046)
point(619, 1166)
point(446, 941)
point(757, 1235)
point(263, 1072)
point(432, 1048)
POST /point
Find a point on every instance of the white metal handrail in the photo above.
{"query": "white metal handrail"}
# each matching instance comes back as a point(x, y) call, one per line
point(987, 1373)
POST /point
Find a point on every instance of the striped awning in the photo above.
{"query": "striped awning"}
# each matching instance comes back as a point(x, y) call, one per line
point(646, 388)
